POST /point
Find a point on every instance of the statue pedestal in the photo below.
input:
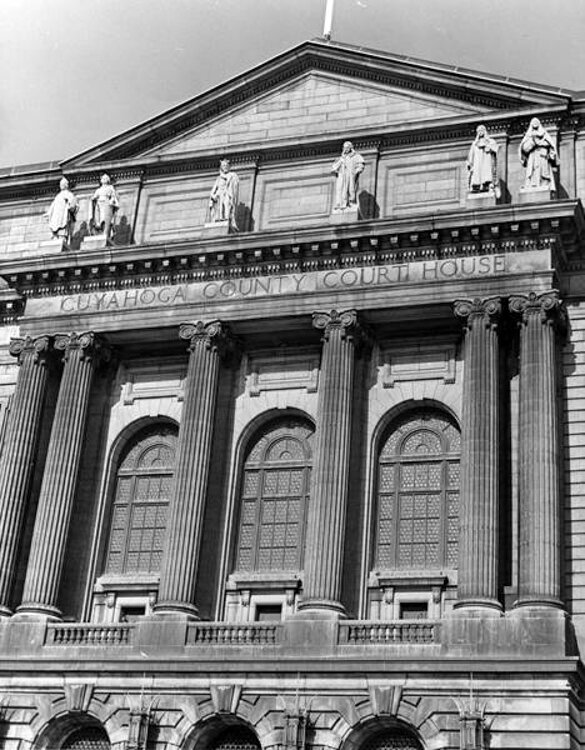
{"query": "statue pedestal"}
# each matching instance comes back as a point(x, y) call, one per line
point(480, 200)
point(534, 195)
point(215, 229)
point(344, 215)
point(96, 242)
point(58, 245)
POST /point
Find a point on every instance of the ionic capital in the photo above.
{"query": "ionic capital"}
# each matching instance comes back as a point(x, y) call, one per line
point(36, 346)
point(548, 306)
point(344, 321)
point(88, 344)
point(214, 335)
point(484, 311)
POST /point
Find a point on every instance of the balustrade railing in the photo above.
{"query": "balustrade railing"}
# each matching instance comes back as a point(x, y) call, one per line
point(391, 632)
point(234, 634)
point(88, 634)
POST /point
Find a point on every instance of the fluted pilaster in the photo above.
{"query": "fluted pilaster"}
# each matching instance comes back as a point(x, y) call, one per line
point(207, 343)
point(19, 451)
point(329, 485)
point(479, 514)
point(542, 317)
point(81, 353)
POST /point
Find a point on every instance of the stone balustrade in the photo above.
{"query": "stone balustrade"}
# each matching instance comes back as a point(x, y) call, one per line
point(89, 634)
point(392, 632)
point(234, 634)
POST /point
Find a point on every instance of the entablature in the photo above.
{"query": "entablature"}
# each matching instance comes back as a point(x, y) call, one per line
point(556, 226)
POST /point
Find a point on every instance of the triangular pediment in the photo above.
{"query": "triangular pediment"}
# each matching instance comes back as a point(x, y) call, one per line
point(316, 106)
point(321, 91)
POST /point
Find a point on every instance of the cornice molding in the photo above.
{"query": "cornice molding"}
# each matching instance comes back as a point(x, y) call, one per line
point(558, 226)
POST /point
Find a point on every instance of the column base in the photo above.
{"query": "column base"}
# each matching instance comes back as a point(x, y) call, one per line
point(176, 611)
point(546, 602)
point(478, 607)
point(5, 612)
point(320, 609)
point(37, 611)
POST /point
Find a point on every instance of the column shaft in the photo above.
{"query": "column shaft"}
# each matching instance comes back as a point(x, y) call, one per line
point(180, 559)
point(479, 514)
point(329, 486)
point(51, 528)
point(18, 454)
point(539, 578)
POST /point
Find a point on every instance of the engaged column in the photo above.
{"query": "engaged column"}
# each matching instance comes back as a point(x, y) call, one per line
point(207, 344)
point(329, 486)
point(478, 537)
point(81, 353)
point(542, 318)
point(19, 451)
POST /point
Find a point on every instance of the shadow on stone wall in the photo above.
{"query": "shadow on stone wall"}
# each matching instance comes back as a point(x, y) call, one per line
point(244, 218)
point(369, 208)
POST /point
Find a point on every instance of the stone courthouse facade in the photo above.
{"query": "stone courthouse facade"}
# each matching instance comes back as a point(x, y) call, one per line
point(282, 473)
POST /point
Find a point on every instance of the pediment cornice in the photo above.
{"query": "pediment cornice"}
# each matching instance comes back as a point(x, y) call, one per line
point(490, 92)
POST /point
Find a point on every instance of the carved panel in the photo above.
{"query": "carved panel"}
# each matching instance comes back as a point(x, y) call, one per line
point(301, 196)
point(151, 379)
point(427, 361)
point(274, 371)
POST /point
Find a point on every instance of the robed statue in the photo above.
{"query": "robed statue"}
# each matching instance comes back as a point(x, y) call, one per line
point(538, 155)
point(482, 163)
point(102, 208)
point(223, 198)
point(347, 169)
point(62, 211)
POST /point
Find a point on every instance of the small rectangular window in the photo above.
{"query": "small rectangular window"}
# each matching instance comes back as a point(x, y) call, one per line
point(268, 612)
point(130, 614)
point(414, 610)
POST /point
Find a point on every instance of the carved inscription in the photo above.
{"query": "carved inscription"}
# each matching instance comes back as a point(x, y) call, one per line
point(287, 284)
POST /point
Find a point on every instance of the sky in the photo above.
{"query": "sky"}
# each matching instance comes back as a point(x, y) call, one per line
point(74, 73)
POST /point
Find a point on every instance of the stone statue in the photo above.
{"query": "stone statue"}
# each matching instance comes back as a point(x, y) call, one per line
point(539, 155)
point(348, 168)
point(224, 196)
point(62, 211)
point(482, 163)
point(102, 208)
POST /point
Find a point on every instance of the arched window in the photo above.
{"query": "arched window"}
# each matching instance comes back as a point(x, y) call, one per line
point(393, 739)
point(274, 497)
point(139, 509)
point(418, 493)
point(87, 738)
point(236, 738)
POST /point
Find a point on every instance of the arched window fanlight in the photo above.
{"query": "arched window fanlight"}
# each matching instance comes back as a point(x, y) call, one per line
point(274, 498)
point(139, 509)
point(418, 493)
point(236, 738)
point(87, 738)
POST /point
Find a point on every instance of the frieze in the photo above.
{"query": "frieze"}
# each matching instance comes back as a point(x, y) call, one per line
point(288, 285)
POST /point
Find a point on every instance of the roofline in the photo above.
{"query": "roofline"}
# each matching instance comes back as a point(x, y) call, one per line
point(500, 86)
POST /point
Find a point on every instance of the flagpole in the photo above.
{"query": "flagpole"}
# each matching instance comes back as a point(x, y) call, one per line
point(328, 20)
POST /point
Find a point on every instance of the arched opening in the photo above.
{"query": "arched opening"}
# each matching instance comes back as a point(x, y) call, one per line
point(273, 499)
point(136, 524)
point(416, 524)
point(73, 731)
point(235, 738)
point(87, 738)
point(392, 739)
